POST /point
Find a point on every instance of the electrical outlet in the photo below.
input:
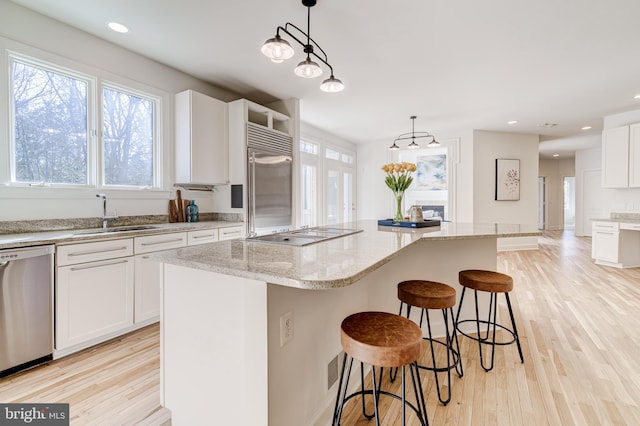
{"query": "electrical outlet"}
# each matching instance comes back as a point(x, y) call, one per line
point(286, 328)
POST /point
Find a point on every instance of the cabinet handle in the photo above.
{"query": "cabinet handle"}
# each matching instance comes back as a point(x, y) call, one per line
point(80, 268)
point(196, 237)
point(84, 253)
point(231, 232)
point(177, 240)
point(607, 233)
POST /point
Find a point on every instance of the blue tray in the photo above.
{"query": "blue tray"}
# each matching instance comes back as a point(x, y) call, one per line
point(407, 224)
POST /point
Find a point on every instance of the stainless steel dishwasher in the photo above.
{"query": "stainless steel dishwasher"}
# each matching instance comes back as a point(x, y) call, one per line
point(26, 308)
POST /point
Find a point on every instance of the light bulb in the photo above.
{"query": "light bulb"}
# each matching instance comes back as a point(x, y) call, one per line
point(277, 49)
point(332, 85)
point(308, 69)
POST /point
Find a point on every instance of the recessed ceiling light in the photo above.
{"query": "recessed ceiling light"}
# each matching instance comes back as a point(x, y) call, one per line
point(637, 96)
point(586, 128)
point(547, 124)
point(117, 27)
point(512, 122)
point(556, 155)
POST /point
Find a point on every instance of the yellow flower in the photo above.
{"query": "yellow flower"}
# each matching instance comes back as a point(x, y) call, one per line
point(398, 177)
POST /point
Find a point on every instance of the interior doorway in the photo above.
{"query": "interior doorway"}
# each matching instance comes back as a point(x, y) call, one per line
point(569, 197)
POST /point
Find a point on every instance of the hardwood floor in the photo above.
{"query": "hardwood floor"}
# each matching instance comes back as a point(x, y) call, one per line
point(115, 383)
point(577, 324)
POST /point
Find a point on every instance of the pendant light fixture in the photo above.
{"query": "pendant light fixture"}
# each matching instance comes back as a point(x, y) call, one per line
point(413, 136)
point(278, 50)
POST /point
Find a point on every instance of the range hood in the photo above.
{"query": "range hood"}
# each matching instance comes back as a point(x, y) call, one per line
point(195, 186)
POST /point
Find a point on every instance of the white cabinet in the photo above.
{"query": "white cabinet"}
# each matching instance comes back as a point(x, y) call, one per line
point(621, 157)
point(148, 275)
point(634, 155)
point(615, 157)
point(230, 233)
point(616, 244)
point(202, 236)
point(94, 291)
point(201, 142)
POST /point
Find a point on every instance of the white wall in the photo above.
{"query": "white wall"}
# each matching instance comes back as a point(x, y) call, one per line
point(487, 147)
point(53, 39)
point(555, 171)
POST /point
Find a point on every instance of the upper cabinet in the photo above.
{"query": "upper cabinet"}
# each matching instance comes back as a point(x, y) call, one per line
point(202, 139)
point(621, 157)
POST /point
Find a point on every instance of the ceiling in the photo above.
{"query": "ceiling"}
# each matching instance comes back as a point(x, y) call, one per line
point(456, 65)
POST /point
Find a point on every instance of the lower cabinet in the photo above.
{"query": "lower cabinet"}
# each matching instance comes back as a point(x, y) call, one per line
point(616, 244)
point(148, 277)
point(93, 299)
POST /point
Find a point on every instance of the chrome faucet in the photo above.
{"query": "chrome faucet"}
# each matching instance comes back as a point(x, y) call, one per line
point(106, 219)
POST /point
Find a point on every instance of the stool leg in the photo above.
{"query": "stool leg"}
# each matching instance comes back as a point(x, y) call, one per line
point(425, 312)
point(337, 413)
point(513, 324)
point(493, 309)
point(393, 372)
point(375, 394)
point(454, 339)
point(364, 411)
point(414, 369)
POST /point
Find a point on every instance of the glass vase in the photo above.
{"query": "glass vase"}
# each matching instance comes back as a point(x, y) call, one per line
point(399, 216)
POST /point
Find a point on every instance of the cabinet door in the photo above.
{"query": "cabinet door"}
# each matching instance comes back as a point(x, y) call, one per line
point(615, 157)
point(230, 233)
point(634, 155)
point(202, 236)
point(147, 288)
point(605, 245)
point(201, 154)
point(93, 300)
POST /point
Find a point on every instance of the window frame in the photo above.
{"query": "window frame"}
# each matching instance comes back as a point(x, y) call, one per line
point(97, 79)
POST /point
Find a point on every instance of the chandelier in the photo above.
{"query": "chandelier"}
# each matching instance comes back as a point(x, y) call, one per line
point(278, 50)
point(413, 135)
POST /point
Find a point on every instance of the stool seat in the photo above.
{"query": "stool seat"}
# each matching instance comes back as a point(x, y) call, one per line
point(489, 281)
point(427, 294)
point(381, 339)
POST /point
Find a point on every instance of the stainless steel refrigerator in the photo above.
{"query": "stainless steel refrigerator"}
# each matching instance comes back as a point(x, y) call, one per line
point(269, 194)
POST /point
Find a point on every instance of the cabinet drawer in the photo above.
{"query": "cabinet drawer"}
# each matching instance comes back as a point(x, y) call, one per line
point(230, 233)
point(159, 242)
point(606, 226)
point(630, 226)
point(89, 252)
point(202, 237)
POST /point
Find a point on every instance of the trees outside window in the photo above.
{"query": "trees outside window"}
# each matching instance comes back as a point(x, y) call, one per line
point(53, 133)
point(50, 126)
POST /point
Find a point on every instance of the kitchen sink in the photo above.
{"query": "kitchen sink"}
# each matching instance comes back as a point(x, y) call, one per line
point(303, 237)
point(101, 231)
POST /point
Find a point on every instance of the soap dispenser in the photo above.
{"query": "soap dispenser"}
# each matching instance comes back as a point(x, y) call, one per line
point(192, 212)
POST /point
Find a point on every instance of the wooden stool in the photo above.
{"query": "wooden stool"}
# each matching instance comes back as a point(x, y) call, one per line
point(380, 339)
point(494, 283)
point(433, 295)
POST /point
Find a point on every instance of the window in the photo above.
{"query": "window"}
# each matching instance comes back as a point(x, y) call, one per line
point(53, 136)
point(127, 135)
point(50, 126)
point(327, 188)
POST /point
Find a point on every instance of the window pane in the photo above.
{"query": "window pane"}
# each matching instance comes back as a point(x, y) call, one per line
point(127, 139)
point(348, 159)
point(308, 147)
point(332, 154)
point(309, 195)
point(50, 126)
point(333, 197)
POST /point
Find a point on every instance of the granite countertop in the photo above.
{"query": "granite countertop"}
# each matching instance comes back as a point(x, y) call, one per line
point(71, 236)
point(330, 264)
point(616, 220)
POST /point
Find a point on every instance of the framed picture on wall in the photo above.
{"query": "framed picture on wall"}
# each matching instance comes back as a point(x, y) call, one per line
point(507, 179)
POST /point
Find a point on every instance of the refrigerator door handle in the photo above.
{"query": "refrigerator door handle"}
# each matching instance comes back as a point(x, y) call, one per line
point(252, 193)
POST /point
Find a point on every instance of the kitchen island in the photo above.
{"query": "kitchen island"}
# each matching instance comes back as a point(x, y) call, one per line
point(249, 329)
